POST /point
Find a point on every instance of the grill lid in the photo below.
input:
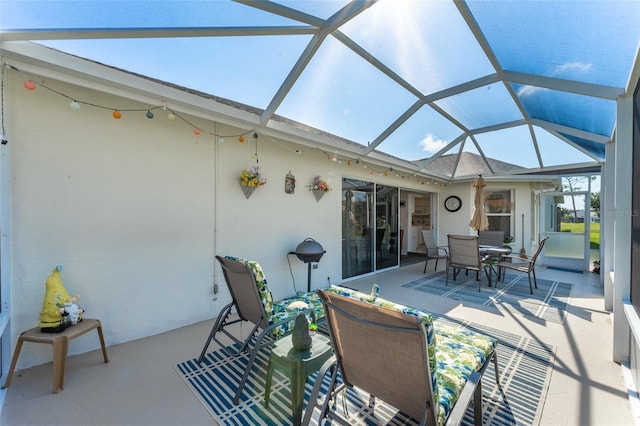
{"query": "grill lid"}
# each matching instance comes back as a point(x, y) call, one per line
point(309, 251)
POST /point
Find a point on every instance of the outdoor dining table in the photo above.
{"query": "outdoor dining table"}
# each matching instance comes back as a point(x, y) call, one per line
point(494, 253)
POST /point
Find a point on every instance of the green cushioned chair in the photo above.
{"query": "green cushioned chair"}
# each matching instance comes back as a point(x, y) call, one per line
point(253, 303)
point(452, 360)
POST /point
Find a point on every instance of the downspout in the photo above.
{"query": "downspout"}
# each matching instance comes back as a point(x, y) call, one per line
point(216, 173)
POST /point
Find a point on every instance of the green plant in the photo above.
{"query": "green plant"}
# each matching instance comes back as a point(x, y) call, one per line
point(252, 177)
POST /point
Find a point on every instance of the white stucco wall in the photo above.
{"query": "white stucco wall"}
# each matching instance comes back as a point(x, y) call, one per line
point(124, 205)
point(136, 209)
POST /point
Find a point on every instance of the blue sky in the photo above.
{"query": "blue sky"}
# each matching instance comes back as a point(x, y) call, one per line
point(426, 43)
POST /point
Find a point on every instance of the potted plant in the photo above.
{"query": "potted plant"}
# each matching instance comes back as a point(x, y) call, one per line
point(250, 179)
point(319, 187)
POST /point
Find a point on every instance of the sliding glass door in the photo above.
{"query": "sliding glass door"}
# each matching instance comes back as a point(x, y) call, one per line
point(387, 234)
point(369, 227)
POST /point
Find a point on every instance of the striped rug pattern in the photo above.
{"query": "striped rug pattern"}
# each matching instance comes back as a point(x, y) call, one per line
point(525, 369)
point(548, 302)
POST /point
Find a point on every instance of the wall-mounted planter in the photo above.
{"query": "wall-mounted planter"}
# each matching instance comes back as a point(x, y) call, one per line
point(318, 193)
point(248, 190)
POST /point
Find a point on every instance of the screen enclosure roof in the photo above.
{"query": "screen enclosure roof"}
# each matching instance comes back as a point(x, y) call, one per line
point(446, 88)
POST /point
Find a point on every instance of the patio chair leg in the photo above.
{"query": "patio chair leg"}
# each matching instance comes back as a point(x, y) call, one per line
point(372, 403)
point(530, 288)
point(221, 318)
point(535, 281)
point(245, 376)
point(495, 364)
point(329, 366)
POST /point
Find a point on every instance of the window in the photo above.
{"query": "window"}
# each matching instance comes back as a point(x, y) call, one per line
point(499, 208)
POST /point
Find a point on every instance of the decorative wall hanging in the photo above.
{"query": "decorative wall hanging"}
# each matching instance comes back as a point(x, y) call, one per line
point(250, 180)
point(319, 187)
point(250, 177)
point(289, 183)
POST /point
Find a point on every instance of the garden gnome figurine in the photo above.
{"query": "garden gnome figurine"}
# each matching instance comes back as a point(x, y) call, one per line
point(55, 297)
point(300, 337)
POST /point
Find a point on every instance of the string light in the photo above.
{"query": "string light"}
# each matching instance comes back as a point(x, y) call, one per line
point(75, 104)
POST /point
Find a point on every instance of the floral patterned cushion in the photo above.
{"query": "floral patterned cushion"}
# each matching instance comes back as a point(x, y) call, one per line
point(265, 294)
point(355, 294)
point(469, 337)
point(278, 311)
point(455, 362)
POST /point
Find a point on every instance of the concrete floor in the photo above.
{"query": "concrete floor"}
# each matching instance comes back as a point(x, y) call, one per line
point(140, 386)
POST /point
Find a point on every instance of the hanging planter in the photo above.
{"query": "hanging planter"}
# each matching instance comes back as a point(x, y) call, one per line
point(250, 180)
point(319, 187)
point(318, 193)
point(248, 190)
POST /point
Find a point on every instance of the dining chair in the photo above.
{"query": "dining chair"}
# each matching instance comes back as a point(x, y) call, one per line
point(433, 250)
point(522, 263)
point(464, 253)
point(491, 238)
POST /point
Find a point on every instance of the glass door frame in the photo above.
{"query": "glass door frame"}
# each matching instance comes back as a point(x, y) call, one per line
point(556, 236)
point(370, 227)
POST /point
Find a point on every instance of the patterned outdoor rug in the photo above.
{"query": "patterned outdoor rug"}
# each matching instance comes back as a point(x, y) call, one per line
point(525, 367)
point(548, 302)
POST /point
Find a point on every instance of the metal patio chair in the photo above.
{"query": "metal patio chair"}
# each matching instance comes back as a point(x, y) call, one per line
point(464, 253)
point(491, 238)
point(253, 303)
point(522, 263)
point(391, 355)
point(433, 250)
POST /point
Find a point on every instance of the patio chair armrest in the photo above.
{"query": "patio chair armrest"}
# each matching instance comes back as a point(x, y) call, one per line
point(444, 248)
point(458, 412)
point(526, 259)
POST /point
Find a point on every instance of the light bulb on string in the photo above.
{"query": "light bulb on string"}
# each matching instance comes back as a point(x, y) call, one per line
point(241, 139)
point(116, 114)
point(196, 132)
point(171, 116)
point(221, 140)
point(74, 105)
point(348, 162)
point(149, 114)
point(29, 85)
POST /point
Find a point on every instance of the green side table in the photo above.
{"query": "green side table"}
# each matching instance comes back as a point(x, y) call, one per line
point(298, 366)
